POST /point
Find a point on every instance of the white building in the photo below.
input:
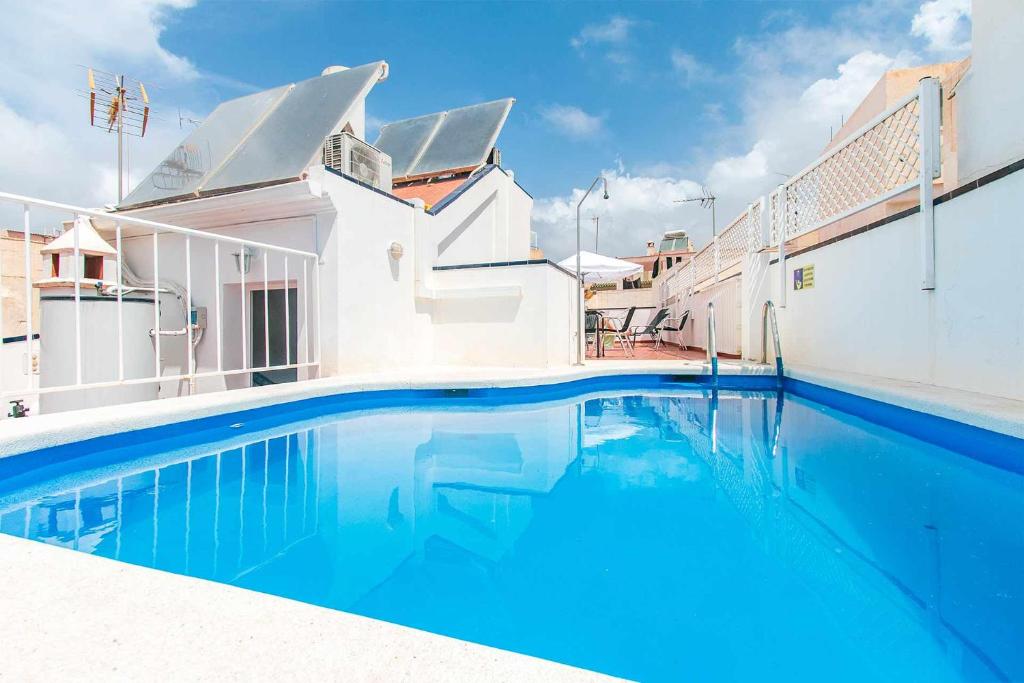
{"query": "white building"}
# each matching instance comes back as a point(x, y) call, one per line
point(397, 282)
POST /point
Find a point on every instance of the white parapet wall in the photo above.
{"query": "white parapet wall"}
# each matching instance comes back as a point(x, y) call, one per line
point(517, 316)
point(989, 98)
point(867, 313)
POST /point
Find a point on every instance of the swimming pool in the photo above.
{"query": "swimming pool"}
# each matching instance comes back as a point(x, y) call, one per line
point(647, 529)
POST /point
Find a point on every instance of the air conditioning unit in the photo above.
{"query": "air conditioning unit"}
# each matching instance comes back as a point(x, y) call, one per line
point(350, 155)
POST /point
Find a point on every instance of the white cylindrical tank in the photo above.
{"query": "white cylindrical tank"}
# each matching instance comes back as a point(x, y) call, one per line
point(98, 315)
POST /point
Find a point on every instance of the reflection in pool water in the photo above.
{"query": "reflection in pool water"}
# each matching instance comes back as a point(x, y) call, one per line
point(659, 536)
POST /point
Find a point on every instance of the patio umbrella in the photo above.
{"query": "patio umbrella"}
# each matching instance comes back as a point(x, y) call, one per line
point(598, 268)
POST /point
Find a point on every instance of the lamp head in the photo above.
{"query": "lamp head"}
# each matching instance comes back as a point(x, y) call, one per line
point(606, 194)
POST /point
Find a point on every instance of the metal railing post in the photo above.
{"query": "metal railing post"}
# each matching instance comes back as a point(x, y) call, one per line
point(768, 316)
point(781, 221)
point(245, 332)
point(190, 350)
point(217, 303)
point(156, 304)
point(287, 318)
point(28, 296)
point(928, 131)
point(765, 221)
point(266, 312)
point(712, 344)
point(78, 306)
point(120, 303)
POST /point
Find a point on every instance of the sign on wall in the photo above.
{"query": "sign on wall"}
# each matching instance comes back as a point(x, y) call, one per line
point(803, 278)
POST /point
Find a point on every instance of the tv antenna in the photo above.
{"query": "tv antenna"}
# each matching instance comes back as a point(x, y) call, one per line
point(182, 120)
point(119, 104)
point(707, 201)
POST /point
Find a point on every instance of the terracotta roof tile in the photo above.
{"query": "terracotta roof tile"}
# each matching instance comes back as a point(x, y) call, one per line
point(430, 193)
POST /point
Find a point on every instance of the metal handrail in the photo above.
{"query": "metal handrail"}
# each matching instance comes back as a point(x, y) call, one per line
point(712, 344)
point(768, 314)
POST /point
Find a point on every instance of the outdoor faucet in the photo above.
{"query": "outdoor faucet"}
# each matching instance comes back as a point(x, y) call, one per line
point(18, 409)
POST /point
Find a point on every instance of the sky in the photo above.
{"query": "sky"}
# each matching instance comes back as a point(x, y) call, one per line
point(661, 98)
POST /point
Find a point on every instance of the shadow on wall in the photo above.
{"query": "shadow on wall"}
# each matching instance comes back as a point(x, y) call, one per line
point(489, 310)
point(450, 238)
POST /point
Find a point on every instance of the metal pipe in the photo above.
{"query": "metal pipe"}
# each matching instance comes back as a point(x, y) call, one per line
point(190, 352)
point(768, 314)
point(579, 275)
point(712, 344)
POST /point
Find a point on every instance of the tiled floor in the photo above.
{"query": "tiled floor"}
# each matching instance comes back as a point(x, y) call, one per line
point(645, 351)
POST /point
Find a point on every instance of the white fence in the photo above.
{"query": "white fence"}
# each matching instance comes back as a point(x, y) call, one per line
point(184, 247)
point(895, 153)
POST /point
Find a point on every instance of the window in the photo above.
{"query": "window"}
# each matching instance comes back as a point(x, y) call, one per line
point(55, 265)
point(94, 267)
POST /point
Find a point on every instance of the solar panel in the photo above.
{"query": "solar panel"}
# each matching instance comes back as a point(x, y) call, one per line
point(270, 135)
point(463, 139)
point(404, 140)
point(206, 148)
point(292, 135)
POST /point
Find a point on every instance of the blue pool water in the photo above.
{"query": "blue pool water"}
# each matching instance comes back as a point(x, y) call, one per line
point(655, 534)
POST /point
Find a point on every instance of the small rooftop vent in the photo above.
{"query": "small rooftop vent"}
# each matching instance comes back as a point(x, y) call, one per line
point(350, 155)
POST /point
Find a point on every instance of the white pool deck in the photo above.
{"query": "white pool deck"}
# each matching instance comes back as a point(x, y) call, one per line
point(69, 614)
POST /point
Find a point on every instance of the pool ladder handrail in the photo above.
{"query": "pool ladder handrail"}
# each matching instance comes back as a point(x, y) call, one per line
point(768, 314)
point(712, 344)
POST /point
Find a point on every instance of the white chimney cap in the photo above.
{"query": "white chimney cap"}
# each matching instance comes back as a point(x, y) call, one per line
point(333, 70)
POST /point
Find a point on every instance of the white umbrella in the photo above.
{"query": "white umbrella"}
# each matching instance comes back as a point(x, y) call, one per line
point(598, 268)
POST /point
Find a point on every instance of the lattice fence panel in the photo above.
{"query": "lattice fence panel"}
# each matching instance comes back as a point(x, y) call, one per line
point(885, 157)
point(742, 237)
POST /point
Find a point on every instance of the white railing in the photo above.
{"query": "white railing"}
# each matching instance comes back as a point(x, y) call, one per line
point(880, 161)
point(130, 235)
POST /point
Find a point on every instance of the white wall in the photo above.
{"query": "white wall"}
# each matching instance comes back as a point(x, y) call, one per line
point(727, 297)
point(489, 222)
point(867, 314)
point(371, 318)
point(374, 311)
point(990, 98)
point(519, 316)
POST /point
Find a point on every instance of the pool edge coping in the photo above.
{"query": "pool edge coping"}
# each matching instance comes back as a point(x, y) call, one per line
point(123, 621)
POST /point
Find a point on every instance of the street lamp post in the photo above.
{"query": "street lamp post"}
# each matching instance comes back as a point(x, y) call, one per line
point(579, 274)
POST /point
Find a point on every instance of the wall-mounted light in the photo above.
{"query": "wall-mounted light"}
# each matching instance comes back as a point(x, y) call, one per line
point(395, 250)
point(243, 259)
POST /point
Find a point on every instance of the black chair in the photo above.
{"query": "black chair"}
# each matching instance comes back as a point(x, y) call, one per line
point(592, 320)
point(651, 328)
point(678, 327)
point(621, 333)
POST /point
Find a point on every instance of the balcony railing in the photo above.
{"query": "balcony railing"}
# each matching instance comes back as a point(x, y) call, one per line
point(176, 258)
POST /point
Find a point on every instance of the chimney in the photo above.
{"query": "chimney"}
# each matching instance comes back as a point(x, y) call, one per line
point(650, 249)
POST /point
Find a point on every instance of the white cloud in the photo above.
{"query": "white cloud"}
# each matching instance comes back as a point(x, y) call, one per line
point(945, 24)
point(615, 31)
point(796, 82)
point(572, 121)
point(50, 151)
point(612, 42)
point(639, 208)
point(688, 68)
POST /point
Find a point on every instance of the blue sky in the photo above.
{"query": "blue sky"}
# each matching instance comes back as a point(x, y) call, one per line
point(662, 97)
